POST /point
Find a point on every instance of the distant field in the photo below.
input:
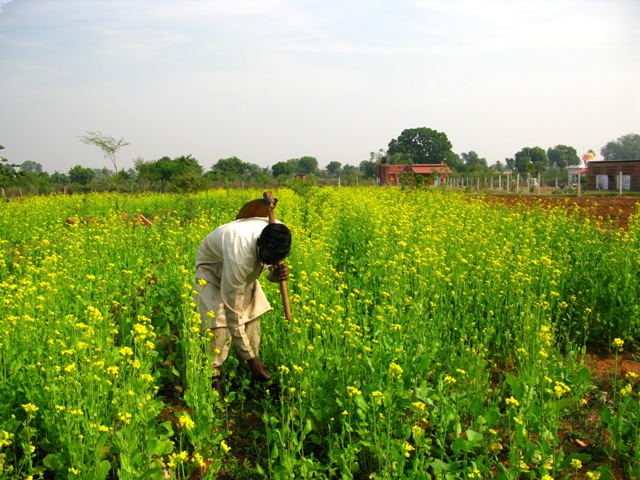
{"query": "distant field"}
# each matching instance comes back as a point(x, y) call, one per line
point(434, 335)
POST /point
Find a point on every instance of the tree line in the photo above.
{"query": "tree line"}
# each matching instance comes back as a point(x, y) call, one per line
point(185, 173)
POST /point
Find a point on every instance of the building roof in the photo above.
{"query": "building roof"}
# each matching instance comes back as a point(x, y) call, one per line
point(429, 168)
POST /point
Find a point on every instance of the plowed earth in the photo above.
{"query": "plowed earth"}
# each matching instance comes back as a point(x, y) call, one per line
point(611, 211)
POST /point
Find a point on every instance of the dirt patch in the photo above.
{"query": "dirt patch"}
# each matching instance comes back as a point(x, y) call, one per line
point(609, 365)
point(611, 211)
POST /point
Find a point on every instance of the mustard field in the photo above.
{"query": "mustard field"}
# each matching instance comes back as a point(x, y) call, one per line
point(433, 336)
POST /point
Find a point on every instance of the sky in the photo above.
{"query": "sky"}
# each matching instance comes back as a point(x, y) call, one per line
point(271, 80)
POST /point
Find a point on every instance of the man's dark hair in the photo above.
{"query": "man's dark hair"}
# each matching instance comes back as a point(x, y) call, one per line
point(276, 238)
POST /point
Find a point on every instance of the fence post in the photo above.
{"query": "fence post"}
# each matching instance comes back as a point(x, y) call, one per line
point(620, 182)
point(579, 183)
point(538, 183)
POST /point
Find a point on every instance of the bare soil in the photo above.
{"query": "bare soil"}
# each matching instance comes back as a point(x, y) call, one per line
point(613, 211)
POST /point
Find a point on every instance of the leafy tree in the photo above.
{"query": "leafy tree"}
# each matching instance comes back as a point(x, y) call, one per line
point(7, 171)
point(31, 167)
point(456, 164)
point(283, 169)
point(145, 172)
point(473, 163)
point(531, 160)
point(230, 169)
point(626, 147)
point(562, 156)
point(399, 159)
point(308, 165)
point(59, 178)
point(334, 168)
point(423, 145)
point(498, 167)
point(187, 164)
point(166, 170)
point(81, 175)
point(511, 163)
point(368, 168)
point(34, 182)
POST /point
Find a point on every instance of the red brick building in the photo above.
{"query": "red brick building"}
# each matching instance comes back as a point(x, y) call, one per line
point(607, 174)
point(434, 173)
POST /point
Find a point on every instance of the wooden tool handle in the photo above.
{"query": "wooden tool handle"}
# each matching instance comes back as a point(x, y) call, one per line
point(283, 284)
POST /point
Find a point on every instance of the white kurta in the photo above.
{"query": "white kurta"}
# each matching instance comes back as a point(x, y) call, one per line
point(227, 259)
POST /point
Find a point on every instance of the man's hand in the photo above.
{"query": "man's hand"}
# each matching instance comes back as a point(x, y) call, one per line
point(258, 371)
point(280, 272)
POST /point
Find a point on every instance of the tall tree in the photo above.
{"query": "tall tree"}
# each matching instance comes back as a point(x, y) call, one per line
point(30, 166)
point(368, 168)
point(627, 147)
point(531, 160)
point(109, 146)
point(7, 171)
point(230, 169)
point(81, 175)
point(283, 169)
point(423, 145)
point(473, 162)
point(334, 168)
point(308, 164)
point(562, 156)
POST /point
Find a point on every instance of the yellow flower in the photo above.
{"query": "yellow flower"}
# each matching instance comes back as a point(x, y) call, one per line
point(512, 401)
point(30, 408)
point(186, 422)
point(353, 391)
point(395, 370)
point(593, 475)
point(126, 351)
point(407, 447)
point(577, 464)
point(225, 447)
point(202, 282)
point(618, 343)
point(420, 406)
point(198, 460)
point(560, 389)
point(449, 379)
point(377, 397)
point(475, 474)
